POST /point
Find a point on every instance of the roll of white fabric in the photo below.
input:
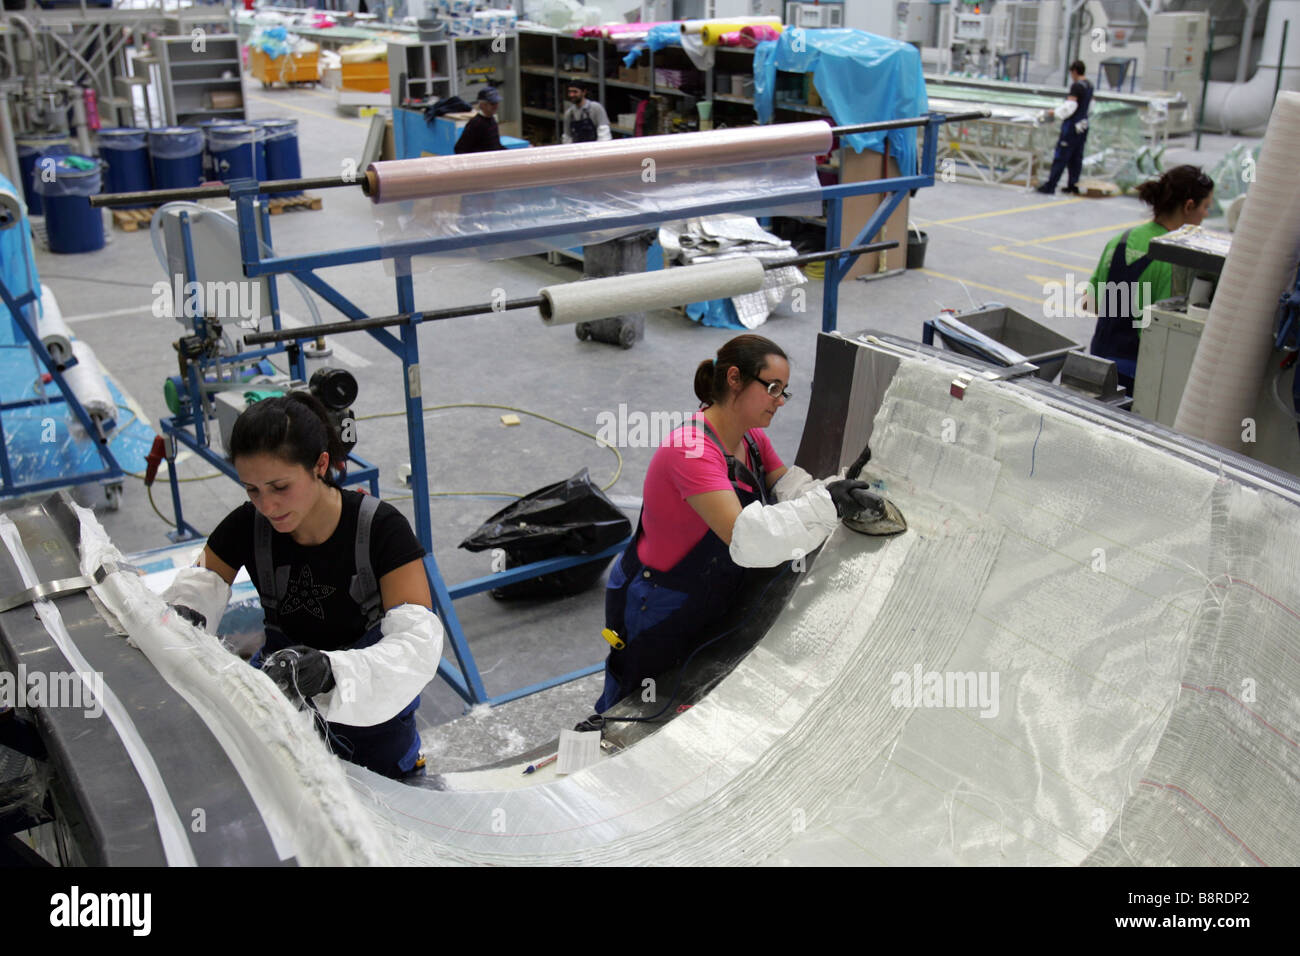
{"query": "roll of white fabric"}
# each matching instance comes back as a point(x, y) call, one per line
point(52, 330)
point(86, 379)
point(1229, 368)
point(593, 299)
point(11, 209)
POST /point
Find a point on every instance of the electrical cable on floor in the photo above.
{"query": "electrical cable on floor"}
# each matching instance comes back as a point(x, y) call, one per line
point(432, 494)
point(522, 411)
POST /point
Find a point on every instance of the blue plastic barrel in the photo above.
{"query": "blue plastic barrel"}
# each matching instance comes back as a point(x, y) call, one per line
point(71, 223)
point(126, 161)
point(29, 148)
point(176, 154)
point(282, 157)
point(206, 125)
point(237, 152)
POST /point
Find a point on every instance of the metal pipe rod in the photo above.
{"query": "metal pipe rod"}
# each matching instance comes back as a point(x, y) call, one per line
point(905, 123)
point(386, 321)
point(156, 197)
point(484, 308)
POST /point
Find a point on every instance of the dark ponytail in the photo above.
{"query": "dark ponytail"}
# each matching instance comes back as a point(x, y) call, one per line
point(294, 427)
point(1170, 192)
point(746, 352)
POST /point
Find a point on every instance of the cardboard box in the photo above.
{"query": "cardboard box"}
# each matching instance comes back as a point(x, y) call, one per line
point(864, 167)
point(225, 99)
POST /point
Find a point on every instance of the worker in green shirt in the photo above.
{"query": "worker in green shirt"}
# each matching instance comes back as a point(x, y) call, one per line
point(1127, 279)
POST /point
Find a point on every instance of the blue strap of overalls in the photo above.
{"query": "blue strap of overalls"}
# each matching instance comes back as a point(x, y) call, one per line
point(1115, 336)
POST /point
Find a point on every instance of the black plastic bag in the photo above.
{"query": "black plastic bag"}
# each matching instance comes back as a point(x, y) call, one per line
point(567, 518)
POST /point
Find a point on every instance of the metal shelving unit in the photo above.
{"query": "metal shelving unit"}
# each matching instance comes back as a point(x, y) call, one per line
point(188, 76)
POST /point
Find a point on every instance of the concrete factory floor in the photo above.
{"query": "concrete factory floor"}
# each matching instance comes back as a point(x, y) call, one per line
point(986, 244)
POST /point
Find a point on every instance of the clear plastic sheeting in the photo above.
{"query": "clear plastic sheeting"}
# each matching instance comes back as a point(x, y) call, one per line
point(122, 139)
point(791, 183)
point(64, 179)
point(175, 142)
point(221, 138)
point(274, 130)
point(861, 77)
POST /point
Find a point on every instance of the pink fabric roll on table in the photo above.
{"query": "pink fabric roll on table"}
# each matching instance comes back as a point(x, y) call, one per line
point(752, 36)
point(615, 29)
point(403, 179)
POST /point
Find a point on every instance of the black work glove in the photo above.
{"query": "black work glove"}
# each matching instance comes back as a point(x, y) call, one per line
point(855, 469)
point(301, 672)
point(855, 500)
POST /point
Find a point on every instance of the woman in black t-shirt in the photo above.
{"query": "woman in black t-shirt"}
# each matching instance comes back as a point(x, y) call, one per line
point(358, 658)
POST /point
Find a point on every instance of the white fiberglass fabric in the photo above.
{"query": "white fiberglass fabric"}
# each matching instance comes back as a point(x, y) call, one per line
point(1123, 623)
point(1083, 650)
point(1141, 617)
point(299, 788)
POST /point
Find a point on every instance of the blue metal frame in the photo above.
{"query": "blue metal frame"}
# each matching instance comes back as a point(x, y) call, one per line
point(464, 677)
point(112, 471)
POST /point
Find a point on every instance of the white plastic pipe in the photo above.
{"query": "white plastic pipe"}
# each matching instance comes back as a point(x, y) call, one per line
point(1245, 107)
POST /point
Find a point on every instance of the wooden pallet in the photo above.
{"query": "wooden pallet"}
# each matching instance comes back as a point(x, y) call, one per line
point(131, 220)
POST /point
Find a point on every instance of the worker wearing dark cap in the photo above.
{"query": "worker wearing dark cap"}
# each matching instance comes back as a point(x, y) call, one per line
point(481, 134)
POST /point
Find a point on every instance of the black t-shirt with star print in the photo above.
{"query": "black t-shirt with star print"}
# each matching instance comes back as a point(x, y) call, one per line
point(316, 609)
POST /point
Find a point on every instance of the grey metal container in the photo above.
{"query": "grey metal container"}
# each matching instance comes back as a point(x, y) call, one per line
point(1036, 342)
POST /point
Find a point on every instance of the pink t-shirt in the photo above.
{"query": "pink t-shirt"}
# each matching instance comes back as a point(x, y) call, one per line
point(688, 463)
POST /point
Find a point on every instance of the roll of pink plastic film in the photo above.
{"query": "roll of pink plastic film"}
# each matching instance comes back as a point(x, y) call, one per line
point(636, 158)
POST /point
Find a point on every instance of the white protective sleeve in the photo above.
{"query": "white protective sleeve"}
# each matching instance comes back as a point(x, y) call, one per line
point(1066, 109)
point(795, 483)
point(766, 535)
point(603, 133)
point(373, 684)
point(200, 590)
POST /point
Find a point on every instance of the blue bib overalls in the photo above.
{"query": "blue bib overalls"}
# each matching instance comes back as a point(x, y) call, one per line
point(1115, 337)
point(661, 615)
point(391, 748)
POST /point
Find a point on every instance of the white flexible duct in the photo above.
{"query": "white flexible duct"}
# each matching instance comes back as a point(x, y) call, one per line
point(1232, 359)
point(1245, 107)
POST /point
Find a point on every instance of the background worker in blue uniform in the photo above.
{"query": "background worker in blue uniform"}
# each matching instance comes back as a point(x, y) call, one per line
point(717, 500)
point(350, 631)
point(1127, 279)
point(481, 134)
point(585, 120)
point(1073, 114)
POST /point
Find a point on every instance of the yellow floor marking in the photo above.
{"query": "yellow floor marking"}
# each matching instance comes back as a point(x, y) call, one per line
point(1006, 212)
point(303, 109)
point(980, 285)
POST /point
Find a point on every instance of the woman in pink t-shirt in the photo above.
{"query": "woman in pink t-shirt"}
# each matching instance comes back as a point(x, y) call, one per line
point(717, 500)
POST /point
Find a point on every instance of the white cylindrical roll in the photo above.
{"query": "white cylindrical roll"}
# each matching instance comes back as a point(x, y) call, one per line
point(593, 299)
point(86, 379)
point(52, 330)
point(11, 209)
point(1230, 364)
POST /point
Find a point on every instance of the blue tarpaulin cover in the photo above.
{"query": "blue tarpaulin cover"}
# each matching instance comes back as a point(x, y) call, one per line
point(861, 78)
